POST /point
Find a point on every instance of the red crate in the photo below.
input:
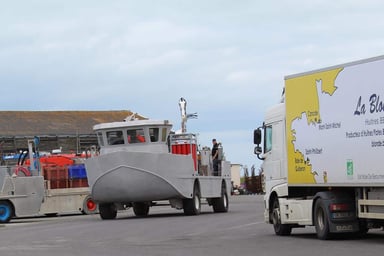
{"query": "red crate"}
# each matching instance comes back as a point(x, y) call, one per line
point(55, 172)
point(55, 184)
point(78, 183)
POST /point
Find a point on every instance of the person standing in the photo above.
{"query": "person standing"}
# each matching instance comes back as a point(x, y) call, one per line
point(215, 157)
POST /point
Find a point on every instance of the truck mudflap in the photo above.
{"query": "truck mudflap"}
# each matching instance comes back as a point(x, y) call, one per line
point(334, 212)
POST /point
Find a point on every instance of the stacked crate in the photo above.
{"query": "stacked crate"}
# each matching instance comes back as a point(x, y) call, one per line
point(67, 176)
point(77, 176)
point(56, 175)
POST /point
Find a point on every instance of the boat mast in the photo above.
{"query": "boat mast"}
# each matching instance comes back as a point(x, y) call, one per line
point(184, 115)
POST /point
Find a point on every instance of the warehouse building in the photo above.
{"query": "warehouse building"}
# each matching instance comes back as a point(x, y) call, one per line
point(70, 131)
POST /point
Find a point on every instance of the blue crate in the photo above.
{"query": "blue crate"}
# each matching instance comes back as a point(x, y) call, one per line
point(77, 171)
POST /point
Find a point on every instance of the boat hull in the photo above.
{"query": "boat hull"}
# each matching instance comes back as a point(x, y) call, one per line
point(140, 176)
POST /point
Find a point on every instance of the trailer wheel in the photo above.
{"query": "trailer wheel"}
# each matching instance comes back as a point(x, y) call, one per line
point(6, 211)
point(89, 206)
point(280, 229)
point(193, 206)
point(220, 204)
point(140, 209)
point(321, 220)
point(107, 211)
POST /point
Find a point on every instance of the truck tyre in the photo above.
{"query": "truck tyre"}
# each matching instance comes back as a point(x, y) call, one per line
point(107, 211)
point(140, 209)
point(89, 206)
point(6, 211)
point(321, 220)
point(193, 206)
point(280, 229)
point(220, 204)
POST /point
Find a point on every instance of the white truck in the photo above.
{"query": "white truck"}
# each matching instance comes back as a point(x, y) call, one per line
point(322, 151)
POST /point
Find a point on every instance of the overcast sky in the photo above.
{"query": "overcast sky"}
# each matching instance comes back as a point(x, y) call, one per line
point(227, 58)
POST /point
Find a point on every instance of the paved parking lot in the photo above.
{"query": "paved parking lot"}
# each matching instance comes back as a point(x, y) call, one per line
point(167, 231)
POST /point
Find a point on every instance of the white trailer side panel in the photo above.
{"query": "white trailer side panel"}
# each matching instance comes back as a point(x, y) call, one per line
point(335, 125)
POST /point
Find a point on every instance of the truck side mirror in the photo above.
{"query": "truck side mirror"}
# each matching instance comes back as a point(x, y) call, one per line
point(258, 150)
point(257, 140)
point(257, 136)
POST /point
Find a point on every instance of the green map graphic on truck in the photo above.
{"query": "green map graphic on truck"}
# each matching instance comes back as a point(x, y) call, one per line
point(335, 119)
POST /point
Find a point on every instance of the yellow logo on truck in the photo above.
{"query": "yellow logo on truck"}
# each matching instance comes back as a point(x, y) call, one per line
point(302, 100)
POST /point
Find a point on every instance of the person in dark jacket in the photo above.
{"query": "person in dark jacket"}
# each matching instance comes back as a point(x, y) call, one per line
point(215, 157)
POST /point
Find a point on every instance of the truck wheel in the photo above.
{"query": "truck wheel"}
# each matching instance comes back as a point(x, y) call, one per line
point(193, 206)
point(107, 211)
point(220, 204)
point(280, 229)
point(321, 220)
point(6, 212)
point(141, 209)
point(89, 206)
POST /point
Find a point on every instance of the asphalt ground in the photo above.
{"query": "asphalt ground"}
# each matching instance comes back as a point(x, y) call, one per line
point(167, 231)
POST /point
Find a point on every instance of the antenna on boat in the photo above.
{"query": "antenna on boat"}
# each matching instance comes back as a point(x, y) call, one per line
point(184, 115)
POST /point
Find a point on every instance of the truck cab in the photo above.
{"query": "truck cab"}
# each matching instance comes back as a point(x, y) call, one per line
point(273, 151)
point(289, 205)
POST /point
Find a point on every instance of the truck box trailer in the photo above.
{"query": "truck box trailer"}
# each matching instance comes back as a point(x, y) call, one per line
point(322, 149)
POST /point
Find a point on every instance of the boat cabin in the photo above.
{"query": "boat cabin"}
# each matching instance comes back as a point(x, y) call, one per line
point(135, 135)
